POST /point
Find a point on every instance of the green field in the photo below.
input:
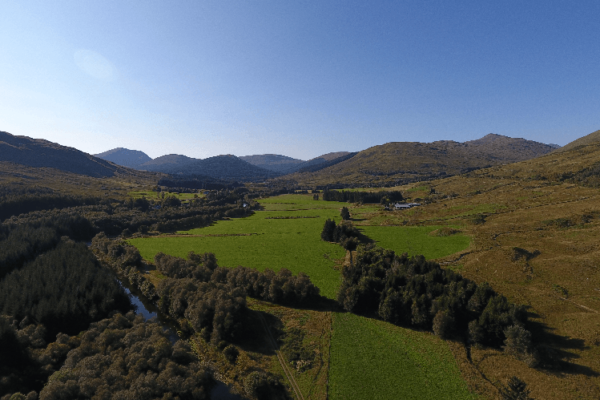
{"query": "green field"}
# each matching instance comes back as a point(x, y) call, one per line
point(369, 359)
point(372, 359)
point(416, 240)
point(294, 244)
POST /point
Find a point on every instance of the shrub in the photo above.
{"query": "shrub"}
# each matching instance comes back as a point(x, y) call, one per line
point(515, 390)
point(231, 353)
point(443, 324)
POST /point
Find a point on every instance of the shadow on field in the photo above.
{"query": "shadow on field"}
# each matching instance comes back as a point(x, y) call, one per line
point(254, 338)
point(557, 351)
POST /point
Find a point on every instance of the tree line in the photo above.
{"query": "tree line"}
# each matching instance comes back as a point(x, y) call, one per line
point(211, 298)
point(411, 291)
point(362, 197)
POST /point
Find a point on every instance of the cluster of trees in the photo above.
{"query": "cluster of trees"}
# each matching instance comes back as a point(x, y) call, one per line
point(170, 216)
point(214, 310)
point(277, 287)
point(124, 357)
point(362, 197)
point(343, 233)
point(212, 298)
point(411, 291)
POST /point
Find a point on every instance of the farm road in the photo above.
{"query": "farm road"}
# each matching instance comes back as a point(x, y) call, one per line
point(281, 359)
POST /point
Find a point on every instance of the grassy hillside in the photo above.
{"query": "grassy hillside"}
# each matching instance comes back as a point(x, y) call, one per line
point(18, 179)
point(593, 137)
point(402, 162)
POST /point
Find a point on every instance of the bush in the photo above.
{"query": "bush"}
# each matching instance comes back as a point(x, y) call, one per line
point(443, 324)
point(231, 353)
point(515, 390)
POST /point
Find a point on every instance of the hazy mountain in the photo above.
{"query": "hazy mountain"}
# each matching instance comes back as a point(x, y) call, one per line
point(593, 137)
point(273, 162)
point(125, 157)
point(324, 161)
point(42, 153)
point(400, 162)
point(288, 165)
point(167, 163)
point(225, 167)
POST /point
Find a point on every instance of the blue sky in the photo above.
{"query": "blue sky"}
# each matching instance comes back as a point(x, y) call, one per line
point(299, 78)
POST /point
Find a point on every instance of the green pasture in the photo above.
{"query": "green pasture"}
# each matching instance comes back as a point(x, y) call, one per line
point(416, 240)
point(372, 359)
point(294, 244)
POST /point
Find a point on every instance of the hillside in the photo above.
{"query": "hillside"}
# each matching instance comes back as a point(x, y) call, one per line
point(42, 153)
point(322, 160)
point(224, 167)
point(535, 230)
point(273, 162)
point(402, 162)
point(125, 157)
point(166, 163)
point(319, 163)
point(593, 137)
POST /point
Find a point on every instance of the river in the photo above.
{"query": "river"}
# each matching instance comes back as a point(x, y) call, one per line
point(146, 309)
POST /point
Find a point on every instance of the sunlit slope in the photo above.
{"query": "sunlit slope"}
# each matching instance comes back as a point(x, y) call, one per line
point(399, 162)
point(592, 138)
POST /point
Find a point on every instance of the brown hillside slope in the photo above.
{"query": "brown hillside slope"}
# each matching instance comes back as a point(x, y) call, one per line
point(18, 179)
point(536, 241)
point(402, 162)
point(593, 137)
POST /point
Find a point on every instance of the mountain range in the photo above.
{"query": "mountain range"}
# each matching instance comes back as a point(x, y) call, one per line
point(386, 164)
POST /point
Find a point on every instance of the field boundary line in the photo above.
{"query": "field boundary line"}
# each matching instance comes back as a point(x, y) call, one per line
point(281, 359)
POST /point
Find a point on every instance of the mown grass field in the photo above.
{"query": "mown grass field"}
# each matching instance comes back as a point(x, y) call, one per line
point(372, 359)
point(416, 240)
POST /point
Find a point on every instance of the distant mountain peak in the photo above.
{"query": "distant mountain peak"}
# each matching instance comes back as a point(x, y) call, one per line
point(125, 157)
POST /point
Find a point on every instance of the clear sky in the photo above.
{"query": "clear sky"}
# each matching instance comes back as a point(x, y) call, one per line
point(299, 78)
